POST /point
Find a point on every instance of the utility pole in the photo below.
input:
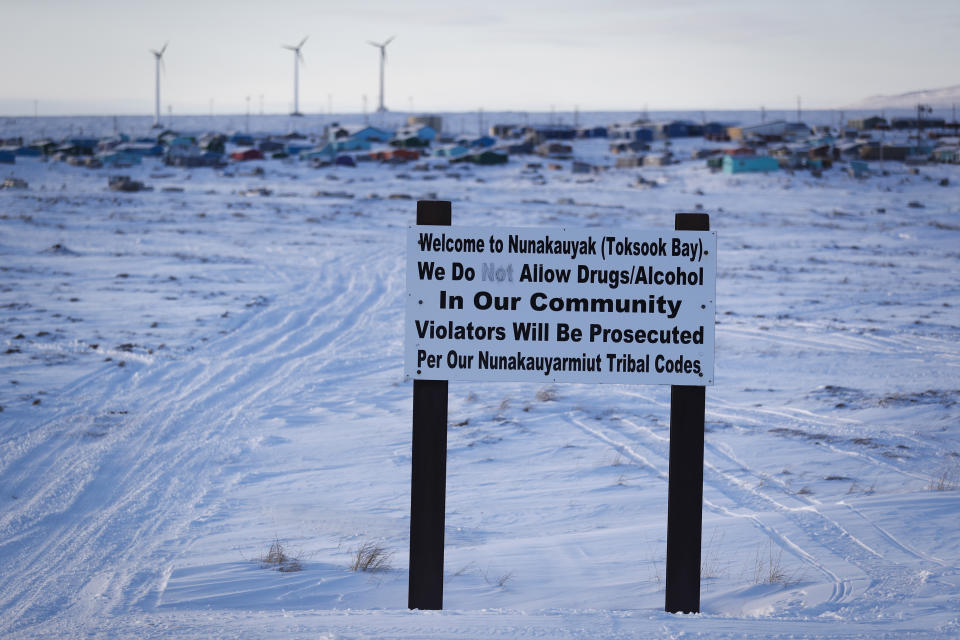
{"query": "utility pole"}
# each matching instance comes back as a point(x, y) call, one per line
point(248, 114)
point(921, 109)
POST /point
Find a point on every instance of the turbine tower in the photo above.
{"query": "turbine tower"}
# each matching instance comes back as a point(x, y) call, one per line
point(158, 55)
point(297, 59)
point(383, 58)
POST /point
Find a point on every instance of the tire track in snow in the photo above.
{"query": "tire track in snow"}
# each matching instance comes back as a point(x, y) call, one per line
point(841, 589)
point(140, 486)
point(842, 432)
point(887, 579)
point(891, 566)
point(823, 339)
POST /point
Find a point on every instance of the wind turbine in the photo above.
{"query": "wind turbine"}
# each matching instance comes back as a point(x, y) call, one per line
point(158, 55)
point(383, 59)
point(297, 59)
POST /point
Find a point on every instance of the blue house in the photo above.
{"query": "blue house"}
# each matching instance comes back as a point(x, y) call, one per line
point(140, 148)
point(452, 151)
point(82, 146)
point(672, 129)
point(749, 164)
point(422, 132)
point(592, 132)
point(367, 133)
point(327, 154)
point(34, 152)
point(352, 144)
point(297, 148)
point(116, 158)
point(554, 132)
point(714, 129)
point(630, 132)
point(7, 157)
point(242, 140)
point(483, 142)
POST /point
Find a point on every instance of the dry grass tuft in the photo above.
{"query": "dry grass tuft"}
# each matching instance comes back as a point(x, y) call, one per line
point(371, 557)
point(546, 394)
point(278, 559)
point(946, 481)
point(770, 570)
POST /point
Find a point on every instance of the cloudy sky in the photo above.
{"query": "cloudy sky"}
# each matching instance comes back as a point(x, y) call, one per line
point(92, 57)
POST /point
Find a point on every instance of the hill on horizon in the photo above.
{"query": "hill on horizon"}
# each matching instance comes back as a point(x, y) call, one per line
point(941, 98)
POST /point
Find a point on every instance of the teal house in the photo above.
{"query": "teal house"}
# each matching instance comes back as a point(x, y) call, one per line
point(749, 164)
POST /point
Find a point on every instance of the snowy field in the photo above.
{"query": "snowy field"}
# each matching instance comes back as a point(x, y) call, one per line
point(192, 374)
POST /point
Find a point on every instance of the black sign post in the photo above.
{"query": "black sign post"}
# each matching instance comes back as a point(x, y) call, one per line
point(428, 482)
point(685, 485)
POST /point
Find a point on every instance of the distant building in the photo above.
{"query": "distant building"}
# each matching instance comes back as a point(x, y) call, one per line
point(657, 160)
point(488, 157)
point(859, 169)
point(83, 146)
point(749, 164)
point(629, 162)
point(877, 151)
point(197, 159)
point(864, 124)
point(506, 131)
point(672, 129)
point(631, 146)
point(582, 167)
point(913, 123)
point(119, 159)
point(295, 148)
point(631, 131)
point(242, 140)
point(359, 132)
point(247, 154)
point(435, 122)
point(949, 154)
point(420, 135)
point(555, 150)
point(776, 130)
point(716, 131)
point(271, 146)
point(592, 132)
point(452, 151)
point(542, 133)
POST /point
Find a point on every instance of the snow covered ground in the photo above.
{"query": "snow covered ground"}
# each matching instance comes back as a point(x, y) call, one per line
point(191, 374)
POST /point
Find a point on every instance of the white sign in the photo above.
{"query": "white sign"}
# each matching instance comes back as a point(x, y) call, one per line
point(560, 305)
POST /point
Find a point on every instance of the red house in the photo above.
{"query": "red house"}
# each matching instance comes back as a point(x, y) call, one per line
point(395, 155)
point(247, 154)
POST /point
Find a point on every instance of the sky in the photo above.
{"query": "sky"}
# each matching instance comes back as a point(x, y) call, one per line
point(62, 57)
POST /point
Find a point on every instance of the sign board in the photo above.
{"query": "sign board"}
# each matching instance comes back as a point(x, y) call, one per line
point(560, 305)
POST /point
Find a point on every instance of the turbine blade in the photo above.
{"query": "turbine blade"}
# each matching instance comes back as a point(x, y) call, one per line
point(389, 40)
point(287, 46)
point(372, 43)
point(302, 41)
point(164, 48)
